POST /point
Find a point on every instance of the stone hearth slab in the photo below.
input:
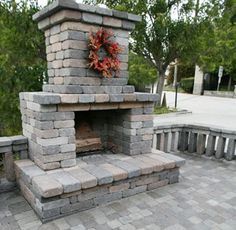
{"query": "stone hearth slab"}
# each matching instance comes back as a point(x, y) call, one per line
point(96, 179)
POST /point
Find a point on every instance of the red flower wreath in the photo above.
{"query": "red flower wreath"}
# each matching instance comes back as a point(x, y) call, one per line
point(110, 64)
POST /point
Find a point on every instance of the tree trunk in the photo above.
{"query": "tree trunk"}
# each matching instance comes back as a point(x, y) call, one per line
point(160, 86)
point(229, 84)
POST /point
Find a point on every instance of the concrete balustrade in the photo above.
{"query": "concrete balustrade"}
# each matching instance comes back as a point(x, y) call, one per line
point(14, 147)
point(196, 139)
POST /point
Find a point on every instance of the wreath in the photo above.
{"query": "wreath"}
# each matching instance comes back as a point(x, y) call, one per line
point(101, 41)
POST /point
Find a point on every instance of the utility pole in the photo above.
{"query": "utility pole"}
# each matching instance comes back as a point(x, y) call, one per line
point(220, 74)
point(175, 83)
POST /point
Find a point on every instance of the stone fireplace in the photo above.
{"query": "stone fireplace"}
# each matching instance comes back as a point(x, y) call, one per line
point(89, 137)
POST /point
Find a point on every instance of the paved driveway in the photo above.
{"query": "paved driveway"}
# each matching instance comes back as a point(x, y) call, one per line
point(204, 199)
point(213, 111)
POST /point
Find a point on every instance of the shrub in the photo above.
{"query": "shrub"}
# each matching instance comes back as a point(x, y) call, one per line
point(187, 84)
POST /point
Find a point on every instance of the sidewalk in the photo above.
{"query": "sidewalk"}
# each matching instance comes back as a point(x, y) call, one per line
point(210, 111)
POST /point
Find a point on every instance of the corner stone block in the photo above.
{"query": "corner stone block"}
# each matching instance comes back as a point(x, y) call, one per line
point(46, 186)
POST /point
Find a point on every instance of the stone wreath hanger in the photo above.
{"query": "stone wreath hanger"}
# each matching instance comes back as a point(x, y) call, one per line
point(103, 54)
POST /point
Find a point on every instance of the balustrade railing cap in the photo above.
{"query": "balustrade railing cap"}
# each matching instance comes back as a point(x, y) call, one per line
point(58, 5)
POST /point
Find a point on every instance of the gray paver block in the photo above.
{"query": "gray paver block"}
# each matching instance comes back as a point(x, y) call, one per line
point(132, 170)
point(69, 183)
point(103, 176)
point(46, 186)
point(86, 179)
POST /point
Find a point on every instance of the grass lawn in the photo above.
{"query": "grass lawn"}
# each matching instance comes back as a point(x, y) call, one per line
point(164, 110)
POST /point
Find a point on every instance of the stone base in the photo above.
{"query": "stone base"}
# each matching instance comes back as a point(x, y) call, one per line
point(95, 180)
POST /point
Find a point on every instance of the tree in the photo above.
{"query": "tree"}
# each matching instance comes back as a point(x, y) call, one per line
point(141, 72)
point(160, 38)
point(22, 60)
point(215, 45)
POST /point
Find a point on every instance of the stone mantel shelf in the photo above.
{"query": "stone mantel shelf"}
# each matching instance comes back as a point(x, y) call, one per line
point(45, 98)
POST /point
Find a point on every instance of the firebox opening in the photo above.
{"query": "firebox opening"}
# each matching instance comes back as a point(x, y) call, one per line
point(99, 131)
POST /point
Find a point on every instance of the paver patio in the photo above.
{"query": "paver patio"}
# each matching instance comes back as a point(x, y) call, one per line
point(205, 198)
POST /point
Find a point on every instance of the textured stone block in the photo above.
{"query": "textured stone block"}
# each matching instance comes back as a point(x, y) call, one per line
point(68, 148)
point(114, 81)
point(80, 206)
point(157, 184)
point(65, 132)
point(131, 169)
point(72, 35)
point(78, 72)
point(108, 198)
point(120, 14)
point(86, 179)
point(62, 88)
point(74, 44)
point(51, 57)
point(52, 204)
point(58, 80)
point(46, 186)
point(101, 98)
point(76, 54)
point(116, 98)
point(134, 191)
point(145, 167)
point(30, 171)
point(53, 141)
point(85, 81)
point(129, 97)
point(119, 188)
point(5, 141)
point(45, 134)
point(83, 98)
point(93, 89)
point(75, 63)
point(55, 29)
point(64, 15)
point(43, 24)
point(142, 96)
point(69, 183)
point(54, 38)
point(77, 107)
point(55, 47)
point(117, 173)
point(168, 163)
point(68, 163)
point(113, 22)
point(103, 176)
point(69, 98)
point(19, 139)
point(112, 89)
point(92, 18)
